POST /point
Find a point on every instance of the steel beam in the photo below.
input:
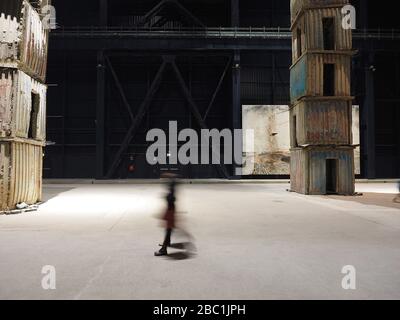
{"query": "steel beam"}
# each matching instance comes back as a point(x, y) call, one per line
point(139, 117)
point(100, 115)
point(120, 89)
point(114, 42)
point(221, 80)
point(160, 6)
point(103, 16)
point(369, 118)
point(194, 109)
point(236, 107)
point(235, 13)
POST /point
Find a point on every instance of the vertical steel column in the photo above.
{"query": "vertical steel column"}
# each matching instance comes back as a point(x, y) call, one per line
point(368, 109)
point(235, 13)
point(369, 118)
point(100, 115)
point(236, 89)
point(101, 97)
point(103, 16)
point(236, 109)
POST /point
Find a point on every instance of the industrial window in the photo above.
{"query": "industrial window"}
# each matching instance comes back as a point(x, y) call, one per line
point(331, 176)
point(299, 44)
point(35, 98)
point(329, 33)
point(329, 80)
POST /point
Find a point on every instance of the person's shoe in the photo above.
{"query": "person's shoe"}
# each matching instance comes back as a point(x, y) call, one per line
point(162, 252)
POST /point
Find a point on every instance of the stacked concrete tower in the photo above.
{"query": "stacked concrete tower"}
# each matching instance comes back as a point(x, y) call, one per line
point(322, 155)
point(23, 58)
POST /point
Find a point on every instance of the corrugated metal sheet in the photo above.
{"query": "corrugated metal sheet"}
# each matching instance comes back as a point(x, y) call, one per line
point(311, 27)
point(24, 42)
point(315, 39)
point(298, 170)
point(296, 6)
point(326, 122)
point(20, 173)
point(317, 170)
point(34, 43)
point(308, 170)
point(23, 59)
point(16, 90)
point(298, 79)
point(307, 75)
point(9, 38)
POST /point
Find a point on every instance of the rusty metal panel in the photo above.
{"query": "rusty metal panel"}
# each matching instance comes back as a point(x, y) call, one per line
point(308, 170)
point(315, 79)
point(33, 44)
point(315, 37)
point(6, 103)
point(16, 104)
point(9, 38)
point(24, 41)
point(307, 75)
point(312, 38)
point(317, 169)
point(20, 173)
point(299, 165)
point(323, 122)
point(298, 79)
point(298, 6)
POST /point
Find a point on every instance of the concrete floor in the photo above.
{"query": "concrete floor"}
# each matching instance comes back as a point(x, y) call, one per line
point(254, 241)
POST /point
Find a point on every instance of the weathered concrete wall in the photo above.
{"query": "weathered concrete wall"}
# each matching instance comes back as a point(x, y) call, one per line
point(272, 139)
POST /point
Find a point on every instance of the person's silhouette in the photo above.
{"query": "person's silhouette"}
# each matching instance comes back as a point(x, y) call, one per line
point(168, 217)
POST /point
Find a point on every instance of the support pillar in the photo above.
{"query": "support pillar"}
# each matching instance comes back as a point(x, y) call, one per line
point(235, 13)
point(100, 115)
point(236, 111)
point(103, 15)
point(369, 118)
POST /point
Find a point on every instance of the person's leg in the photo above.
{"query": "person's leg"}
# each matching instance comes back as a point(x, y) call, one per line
point(167, 242)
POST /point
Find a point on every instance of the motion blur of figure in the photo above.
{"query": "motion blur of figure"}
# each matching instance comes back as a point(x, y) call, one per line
point(397, 199)
point(169, 215)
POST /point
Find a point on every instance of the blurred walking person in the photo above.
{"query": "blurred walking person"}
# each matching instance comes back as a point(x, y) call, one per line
point(397, 199)
point(169, 215)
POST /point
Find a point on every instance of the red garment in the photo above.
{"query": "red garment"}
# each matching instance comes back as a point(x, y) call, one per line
point(169, 218)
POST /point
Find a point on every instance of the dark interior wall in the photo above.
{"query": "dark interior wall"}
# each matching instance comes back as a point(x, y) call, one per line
point(261, 13)
point(265, 78)
point(387, 120)
point(72, 109)
point(72, 76)
point(71, 115)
